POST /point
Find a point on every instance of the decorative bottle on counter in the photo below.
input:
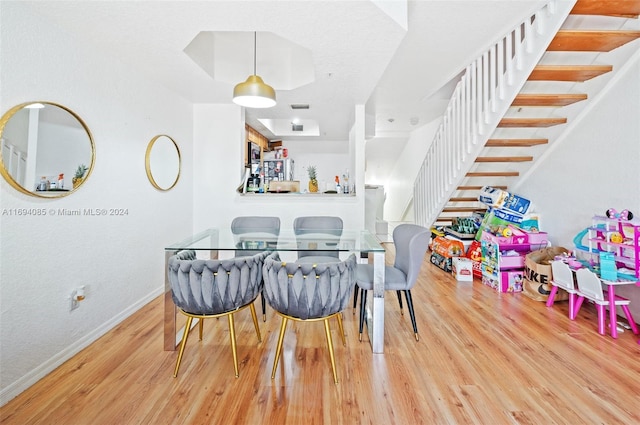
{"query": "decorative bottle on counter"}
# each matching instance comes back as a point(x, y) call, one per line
point(42, 186)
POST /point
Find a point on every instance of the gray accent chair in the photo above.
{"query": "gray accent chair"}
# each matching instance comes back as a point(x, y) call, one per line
point(308, 292)
point(327, 230)
point(255, 226)
point(411, 243)
point(203, 289)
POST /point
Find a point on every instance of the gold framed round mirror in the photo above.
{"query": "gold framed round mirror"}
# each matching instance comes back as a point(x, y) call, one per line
point(47, 149)
point(162, 162)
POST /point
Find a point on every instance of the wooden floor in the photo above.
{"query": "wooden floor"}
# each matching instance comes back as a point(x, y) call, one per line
point(482, 358)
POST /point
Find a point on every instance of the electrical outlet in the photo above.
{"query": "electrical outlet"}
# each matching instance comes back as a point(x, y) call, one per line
point(77, 295)
point(74, 303)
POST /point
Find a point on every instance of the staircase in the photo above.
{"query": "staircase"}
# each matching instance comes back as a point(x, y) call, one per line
point(537, 112)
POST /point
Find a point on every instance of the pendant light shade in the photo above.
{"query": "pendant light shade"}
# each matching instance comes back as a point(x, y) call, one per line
point(254, 93)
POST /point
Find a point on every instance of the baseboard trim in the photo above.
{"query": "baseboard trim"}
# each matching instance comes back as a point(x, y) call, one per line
point(13, 390)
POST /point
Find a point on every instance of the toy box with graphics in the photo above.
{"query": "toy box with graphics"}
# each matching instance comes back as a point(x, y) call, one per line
point(441, 261)
point(443, 250)
point(447, 247)
point(503, 281)
point(501, 199)
point(474, 253)
point(462, 269)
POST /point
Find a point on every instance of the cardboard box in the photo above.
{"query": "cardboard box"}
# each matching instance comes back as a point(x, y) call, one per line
point(284, 186)
point(441, 261)
point(449, 231)
point(447, 247)
point(501, 199)
point(462, 269)
point(474, 253)
point(462, 228)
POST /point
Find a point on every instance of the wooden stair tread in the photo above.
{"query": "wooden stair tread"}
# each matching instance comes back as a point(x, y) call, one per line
point(530, 122)
point(504, 159)
point(479, 187)
point(464, 199)
point(547, 99)
point(590, 40)
point(493, 174)
point(568, 41)
point(461, 209)
point(578, 73)
point(506, 143)
point(620, 8)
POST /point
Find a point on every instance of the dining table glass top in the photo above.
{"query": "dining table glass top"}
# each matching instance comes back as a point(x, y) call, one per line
point(249, 240)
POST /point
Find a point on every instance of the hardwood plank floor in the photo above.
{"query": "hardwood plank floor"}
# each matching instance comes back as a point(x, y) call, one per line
point(482, 358)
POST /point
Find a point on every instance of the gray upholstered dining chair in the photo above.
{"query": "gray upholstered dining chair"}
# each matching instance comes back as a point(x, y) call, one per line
point(326, 230)
point(308, 292)
point(255, 226)
point(203, 289)
point(411, 242)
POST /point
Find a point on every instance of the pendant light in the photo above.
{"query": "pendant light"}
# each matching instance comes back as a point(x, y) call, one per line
point(254, 93)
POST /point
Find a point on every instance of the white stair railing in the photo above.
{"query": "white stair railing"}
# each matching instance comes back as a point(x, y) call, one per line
point(480, 100)
point(14, 161)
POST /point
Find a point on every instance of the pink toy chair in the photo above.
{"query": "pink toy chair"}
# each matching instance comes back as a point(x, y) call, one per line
point(590, 287)
point(563, 278)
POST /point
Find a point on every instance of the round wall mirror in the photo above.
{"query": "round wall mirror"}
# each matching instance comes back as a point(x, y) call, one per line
point(162, 162)
point(47, 150)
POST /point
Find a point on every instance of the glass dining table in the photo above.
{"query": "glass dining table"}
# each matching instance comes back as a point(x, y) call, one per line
point(222, 243)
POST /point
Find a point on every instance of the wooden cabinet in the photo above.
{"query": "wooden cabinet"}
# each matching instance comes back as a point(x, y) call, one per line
point(253, 140)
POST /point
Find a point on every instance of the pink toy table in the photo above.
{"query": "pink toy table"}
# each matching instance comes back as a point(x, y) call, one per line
point(613, 318)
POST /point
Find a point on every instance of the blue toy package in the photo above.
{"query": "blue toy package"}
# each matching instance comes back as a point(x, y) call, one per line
point(501, 199)
point(507, 216)
point(608, 270)
point(516, 204)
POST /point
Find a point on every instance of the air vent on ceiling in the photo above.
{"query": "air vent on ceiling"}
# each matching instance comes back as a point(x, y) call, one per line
point(299, 106)
point(297, 127)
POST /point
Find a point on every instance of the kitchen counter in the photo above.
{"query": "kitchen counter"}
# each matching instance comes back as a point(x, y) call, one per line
point(300, 194)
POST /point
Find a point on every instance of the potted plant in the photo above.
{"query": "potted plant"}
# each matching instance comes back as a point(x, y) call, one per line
point(79, 175)
point(313, 178)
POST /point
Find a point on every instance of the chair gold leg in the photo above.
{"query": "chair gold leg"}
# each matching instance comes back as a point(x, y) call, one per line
point(201, 326)
point(283, 326)
point(327, 331)
point(255, 321)
point(185, 336)
point(344, 340)
point(232, 336)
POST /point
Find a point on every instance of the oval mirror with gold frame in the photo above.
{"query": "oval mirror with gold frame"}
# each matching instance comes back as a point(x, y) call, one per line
point(47, 149)
point(162, 162)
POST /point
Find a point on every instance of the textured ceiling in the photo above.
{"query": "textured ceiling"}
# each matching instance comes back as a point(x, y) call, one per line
point(361, 54)
point(400, 62)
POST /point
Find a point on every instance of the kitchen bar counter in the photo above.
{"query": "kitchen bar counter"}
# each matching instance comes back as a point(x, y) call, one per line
point(310, 194)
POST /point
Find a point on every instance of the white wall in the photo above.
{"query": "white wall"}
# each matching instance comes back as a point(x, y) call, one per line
point(330, 158)
point(120, 259)
point(594, 167)
point(399, 187)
